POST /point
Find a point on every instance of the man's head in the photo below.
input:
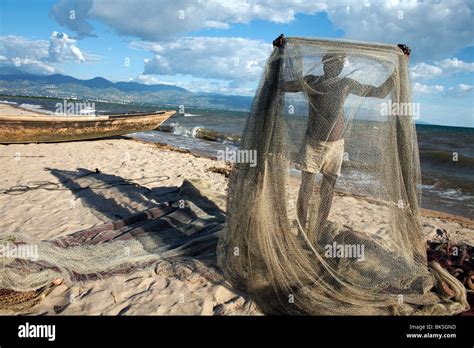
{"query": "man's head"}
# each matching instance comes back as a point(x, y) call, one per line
point(333, 64)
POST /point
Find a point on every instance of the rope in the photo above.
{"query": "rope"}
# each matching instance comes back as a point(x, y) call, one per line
point(52, 186)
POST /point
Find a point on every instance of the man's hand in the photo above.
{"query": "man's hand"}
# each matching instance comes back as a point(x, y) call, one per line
point(406, 50)
point(279, 41)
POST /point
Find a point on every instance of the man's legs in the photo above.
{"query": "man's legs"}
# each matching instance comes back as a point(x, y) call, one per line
point(326, 194)
point(317, 220)
point(326, 158)
point(304, 194)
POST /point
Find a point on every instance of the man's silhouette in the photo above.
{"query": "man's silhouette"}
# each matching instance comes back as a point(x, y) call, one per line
point(323, 144)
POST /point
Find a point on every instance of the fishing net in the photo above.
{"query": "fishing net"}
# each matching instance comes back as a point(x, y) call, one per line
point(327, 222)
point(183, 228)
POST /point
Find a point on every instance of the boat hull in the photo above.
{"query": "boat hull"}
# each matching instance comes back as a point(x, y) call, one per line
point(38, 129)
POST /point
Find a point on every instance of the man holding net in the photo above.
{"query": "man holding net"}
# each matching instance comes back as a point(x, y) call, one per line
point(323, 144)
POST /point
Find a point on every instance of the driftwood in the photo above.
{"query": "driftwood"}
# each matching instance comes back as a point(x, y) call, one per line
point(226, 170)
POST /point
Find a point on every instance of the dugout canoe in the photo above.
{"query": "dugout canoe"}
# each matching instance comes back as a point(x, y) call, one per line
point(39, 129)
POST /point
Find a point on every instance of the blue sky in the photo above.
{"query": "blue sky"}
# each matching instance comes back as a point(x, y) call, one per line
point(221, 46)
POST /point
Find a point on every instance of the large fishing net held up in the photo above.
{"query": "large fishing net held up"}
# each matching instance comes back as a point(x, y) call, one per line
point(327, 222)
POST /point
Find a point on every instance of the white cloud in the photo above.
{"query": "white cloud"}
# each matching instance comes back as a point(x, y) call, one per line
point(62, 48)
point(13, 46)
point(196, 84)
point(443, 68)
point(462, 90)
point(231, 59)
point(433, 29)
point(454, 65)
point(40, 56)
point(26, 54)
point(151, 80)
point(73, 15)
point(219, 64)
point(427, 89)
point(156, 19)
point(219, 86)
point(425, 71)
point(33, 66)
point(463, 87)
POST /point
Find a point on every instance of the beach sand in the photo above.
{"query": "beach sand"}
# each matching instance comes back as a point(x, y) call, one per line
point(11, 110)
point(47, 214)
point(57, 211)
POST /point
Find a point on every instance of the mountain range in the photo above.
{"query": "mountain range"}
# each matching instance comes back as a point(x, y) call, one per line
point(14, 81)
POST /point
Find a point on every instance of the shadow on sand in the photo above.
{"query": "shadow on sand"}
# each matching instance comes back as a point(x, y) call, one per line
point(176, 224)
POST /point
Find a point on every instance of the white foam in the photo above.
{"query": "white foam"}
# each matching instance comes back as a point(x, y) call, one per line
point(453, 194)
point(88, 111)
point(36, 108)
point(184, 131)
point(30, 106)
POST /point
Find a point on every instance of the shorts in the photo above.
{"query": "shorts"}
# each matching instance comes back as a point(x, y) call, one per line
point(323, 157)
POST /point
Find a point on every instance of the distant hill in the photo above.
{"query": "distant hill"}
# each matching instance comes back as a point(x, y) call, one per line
point(16, 82)
point(12, 74)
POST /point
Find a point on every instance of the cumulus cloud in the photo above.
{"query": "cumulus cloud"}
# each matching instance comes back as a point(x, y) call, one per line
point(231, 59)
point(434, 29)
point(157, 19)
point(194, 84)
point(462, 90)
point(464, 87)
point(425, 71)
point(18, 46)
point(31, 65)
point(63, 48)
point(454, 65)
point(216, 86)
point(443, 68)
point(202, 85)
point(39, 56)
point(73, 14)
point(150, 80)
point(28, 55)
point(427, 89)
point(235, 62)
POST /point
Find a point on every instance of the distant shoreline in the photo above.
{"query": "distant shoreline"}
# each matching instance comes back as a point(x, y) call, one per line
point(417, 123)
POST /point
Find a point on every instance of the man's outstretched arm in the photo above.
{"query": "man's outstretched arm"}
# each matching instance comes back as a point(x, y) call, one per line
point(381, 91)
point(362, 90)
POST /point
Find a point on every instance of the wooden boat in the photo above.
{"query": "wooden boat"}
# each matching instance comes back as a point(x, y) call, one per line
point(36, 129)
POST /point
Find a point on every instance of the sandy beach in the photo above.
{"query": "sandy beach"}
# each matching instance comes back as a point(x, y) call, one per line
point(53, 210)
point(10, 110)
point(48, 214)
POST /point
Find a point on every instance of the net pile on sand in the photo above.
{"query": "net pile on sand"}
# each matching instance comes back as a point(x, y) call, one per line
point(332, 120)
point(184, 228)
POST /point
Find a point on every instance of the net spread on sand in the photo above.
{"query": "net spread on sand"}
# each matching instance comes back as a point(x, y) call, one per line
point(183, 228)
point(327, 222)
